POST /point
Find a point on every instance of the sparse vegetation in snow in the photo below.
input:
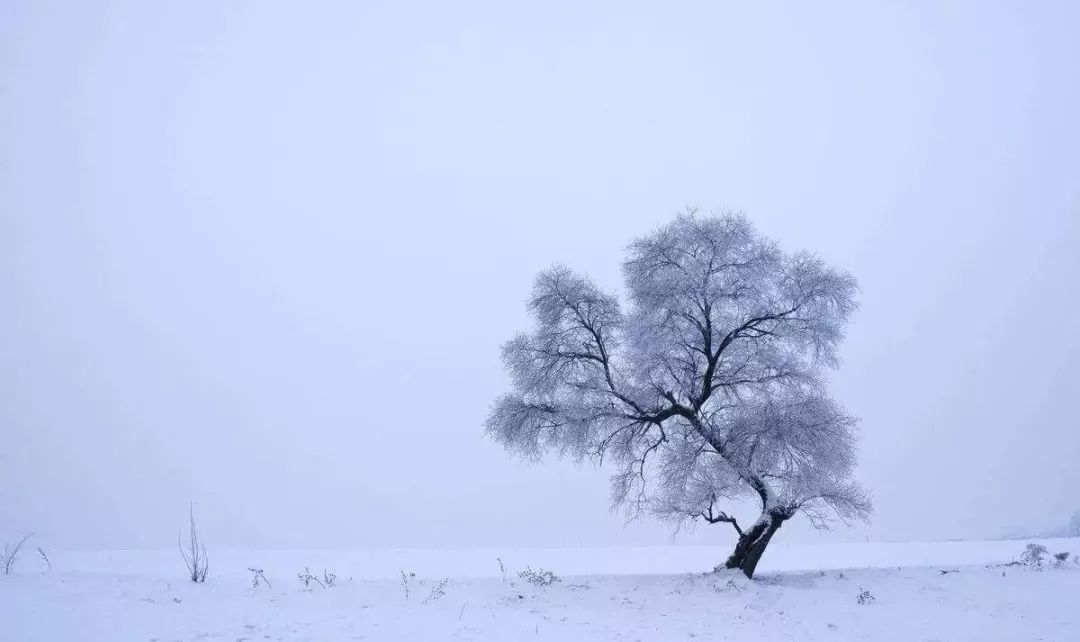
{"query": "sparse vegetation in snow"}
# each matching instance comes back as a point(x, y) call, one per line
point(88, 594)
point(195, 558)
point(539, 577)
point(405, 578)
point(44, 558)
point(11, 555)
point(257, 578)
point(1034, 556)
point(306, 578)
point(437, 591)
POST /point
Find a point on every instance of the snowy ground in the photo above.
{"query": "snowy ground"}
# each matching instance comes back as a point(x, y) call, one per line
point(804, 593)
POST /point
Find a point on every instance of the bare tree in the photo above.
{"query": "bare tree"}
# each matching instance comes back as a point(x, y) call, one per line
point(710, 391)
point(198, 564)
point(1074, 524)
point(11, 555)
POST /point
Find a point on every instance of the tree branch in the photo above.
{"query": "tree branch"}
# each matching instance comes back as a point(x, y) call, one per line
point(720, 516)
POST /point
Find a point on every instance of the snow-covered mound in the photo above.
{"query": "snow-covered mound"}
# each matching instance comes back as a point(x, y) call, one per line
point(82, 599)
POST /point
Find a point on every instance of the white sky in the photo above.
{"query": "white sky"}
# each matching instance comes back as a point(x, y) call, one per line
point(262, 255)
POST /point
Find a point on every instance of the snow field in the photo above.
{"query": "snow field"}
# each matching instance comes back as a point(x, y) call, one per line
point(122, 596)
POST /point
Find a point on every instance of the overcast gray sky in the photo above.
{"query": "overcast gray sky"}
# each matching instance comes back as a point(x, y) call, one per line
point(261, 256)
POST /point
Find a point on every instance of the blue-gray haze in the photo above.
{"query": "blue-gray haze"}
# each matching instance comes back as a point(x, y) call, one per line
point(261, 255)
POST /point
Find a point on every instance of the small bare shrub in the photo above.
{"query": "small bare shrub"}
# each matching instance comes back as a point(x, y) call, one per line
point(328, 577)
point(1034, 556)
point(539, 577)
point(502, 569)
point(44, 558)
point(405, 582)
point(11, 555)
point(437, 591)
point(1060, 559)
point(198, 564)
point(258, 578)
point(865, 597)
point(307, 578)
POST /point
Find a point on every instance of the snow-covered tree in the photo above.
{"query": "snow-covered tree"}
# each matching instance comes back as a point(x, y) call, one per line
point(1074, 524)
point(707, 392)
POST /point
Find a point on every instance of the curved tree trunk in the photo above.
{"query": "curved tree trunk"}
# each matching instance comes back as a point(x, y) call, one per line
point(752, 543)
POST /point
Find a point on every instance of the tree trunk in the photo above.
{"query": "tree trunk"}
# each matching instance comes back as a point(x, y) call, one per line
point(752, 544)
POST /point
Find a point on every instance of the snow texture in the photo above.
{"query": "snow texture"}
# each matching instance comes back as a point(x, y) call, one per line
point(605, 594)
